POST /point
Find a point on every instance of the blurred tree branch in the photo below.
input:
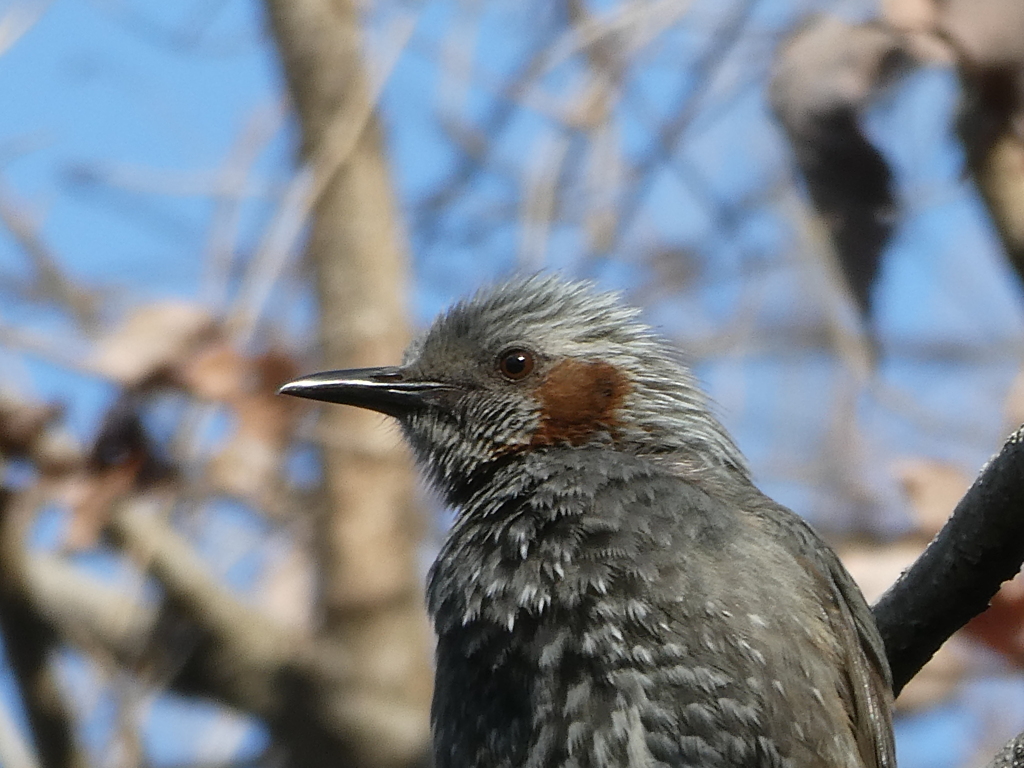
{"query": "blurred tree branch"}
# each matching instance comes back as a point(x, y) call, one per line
point(29, 640)
point(370, 529)
point(51, 284)
point(830, 70)
point(823, 77)
point(987, 37)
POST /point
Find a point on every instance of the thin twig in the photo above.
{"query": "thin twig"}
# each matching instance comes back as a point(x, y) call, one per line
point(309, 184)
point(19, 20)
point(233, 188)
point(540, 199)
point(51, 283)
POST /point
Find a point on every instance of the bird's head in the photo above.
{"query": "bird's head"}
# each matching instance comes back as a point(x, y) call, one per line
point(533, 364)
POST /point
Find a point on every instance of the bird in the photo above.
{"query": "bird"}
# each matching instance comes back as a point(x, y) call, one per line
point(614, 592)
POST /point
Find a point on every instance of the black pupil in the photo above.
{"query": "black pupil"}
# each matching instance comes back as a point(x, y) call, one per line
point(515, 363)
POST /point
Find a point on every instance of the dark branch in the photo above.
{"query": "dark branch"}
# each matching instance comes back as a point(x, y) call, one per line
point(826, 74)
point(980, 547)
point(28, 640)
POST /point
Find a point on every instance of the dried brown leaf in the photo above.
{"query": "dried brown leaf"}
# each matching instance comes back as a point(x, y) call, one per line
point(933, 489)
point(989, 32)
point(247, 467)
point(22, 424)
point(821, 79)
point(910, 15)
point(152, 339)
point(1002, 626)
point(1013, 407)
point(215, 372)
point(249, 464)
point(93, 499)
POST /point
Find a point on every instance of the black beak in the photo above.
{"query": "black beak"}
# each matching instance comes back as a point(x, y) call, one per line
point(386, 390)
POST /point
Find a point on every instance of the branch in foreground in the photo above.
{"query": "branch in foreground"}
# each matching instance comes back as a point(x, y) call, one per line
point(980, 547)
point(300, 686)
point(243, 651)
point(28, 641)
point(86, 611)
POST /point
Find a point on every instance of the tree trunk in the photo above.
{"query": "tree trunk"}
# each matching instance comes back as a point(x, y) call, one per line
point(372, 594)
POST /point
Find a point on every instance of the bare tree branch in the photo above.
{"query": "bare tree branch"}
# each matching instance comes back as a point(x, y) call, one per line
point(85, 610)
point(29, 640)
point(51, 284)
point(243, 649)
point(824, 76)
point(15, 751)
point(980, 547)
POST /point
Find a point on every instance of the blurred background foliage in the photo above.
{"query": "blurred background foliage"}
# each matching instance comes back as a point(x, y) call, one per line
point(821, 202)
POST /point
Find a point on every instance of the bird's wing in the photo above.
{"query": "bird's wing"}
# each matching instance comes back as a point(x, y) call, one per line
point(870, 678)
point(839, 627)
point(869, 696)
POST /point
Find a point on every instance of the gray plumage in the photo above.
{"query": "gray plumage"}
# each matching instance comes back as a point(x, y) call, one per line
point(615, 593)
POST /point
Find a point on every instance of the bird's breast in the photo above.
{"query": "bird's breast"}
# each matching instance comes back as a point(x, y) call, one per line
point(623, 618)
point(596, 686)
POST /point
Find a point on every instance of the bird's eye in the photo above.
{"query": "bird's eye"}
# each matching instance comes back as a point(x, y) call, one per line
point(515, 364)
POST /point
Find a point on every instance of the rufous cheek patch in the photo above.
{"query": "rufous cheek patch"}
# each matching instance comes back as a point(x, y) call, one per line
point(579, 398)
